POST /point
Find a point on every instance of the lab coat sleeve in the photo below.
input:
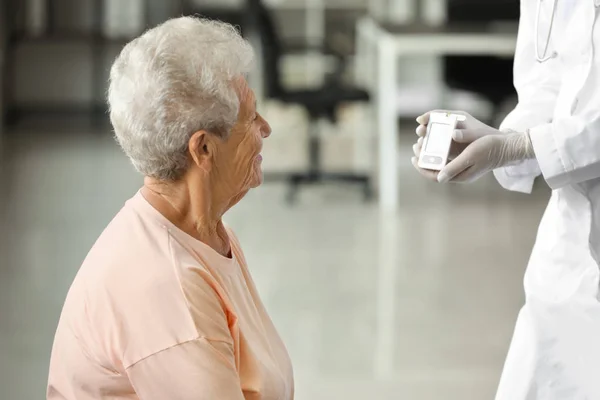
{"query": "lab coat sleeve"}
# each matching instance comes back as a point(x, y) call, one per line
point(537, 86)
point(200, 369)
point(568, 149)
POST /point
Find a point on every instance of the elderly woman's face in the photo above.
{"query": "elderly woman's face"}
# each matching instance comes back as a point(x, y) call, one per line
point(239, 160)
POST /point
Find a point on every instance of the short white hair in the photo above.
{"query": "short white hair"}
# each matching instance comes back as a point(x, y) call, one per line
point(171, 82)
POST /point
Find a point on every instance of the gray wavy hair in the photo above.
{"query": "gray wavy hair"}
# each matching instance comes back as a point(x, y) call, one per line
point(172, 81)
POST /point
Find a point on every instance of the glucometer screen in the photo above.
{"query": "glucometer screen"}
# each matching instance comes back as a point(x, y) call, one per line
point(437, 138)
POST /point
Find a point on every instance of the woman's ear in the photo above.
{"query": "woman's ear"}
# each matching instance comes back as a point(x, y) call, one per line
point(201, 149)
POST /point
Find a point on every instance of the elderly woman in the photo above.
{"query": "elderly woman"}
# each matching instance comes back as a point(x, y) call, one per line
point(164, 306)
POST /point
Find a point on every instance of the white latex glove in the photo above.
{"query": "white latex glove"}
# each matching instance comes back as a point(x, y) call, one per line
point(476, 150)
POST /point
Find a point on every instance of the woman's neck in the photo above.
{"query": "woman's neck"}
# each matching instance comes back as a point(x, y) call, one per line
point(193, 209)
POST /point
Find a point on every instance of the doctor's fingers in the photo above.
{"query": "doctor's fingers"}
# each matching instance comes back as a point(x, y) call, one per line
point(457, 166)
point(417, 147)
point(421, 130)
point(469, 175)
point(456, 149)
point(471, 164)
point(431, 175)
point(471, 135)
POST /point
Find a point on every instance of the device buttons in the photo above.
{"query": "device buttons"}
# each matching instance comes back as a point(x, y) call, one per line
point(433, 160)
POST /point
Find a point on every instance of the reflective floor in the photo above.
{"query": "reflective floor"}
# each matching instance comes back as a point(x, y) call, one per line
point(418, 305)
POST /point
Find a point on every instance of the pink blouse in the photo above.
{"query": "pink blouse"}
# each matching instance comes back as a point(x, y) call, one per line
point(155, 314)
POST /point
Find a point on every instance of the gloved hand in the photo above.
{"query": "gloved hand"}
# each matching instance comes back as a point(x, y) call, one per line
point(476, 150)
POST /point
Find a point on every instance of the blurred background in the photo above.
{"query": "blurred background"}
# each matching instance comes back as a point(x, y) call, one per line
point(383, 285)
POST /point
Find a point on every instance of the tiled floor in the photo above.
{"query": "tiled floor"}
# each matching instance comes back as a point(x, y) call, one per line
point(418, 305)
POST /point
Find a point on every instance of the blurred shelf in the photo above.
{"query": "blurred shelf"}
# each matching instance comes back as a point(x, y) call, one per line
point(93, 113)
point(71, 37)
point(281, 4)
point(94, 37)
point(326, 4)
point(450, 28)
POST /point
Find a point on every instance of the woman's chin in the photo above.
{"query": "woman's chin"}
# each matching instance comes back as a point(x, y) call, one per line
point(258, 173)
point(258, 179)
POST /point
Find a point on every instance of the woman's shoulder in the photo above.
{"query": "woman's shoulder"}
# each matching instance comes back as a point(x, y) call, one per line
point(130, 238)
point(141, 281)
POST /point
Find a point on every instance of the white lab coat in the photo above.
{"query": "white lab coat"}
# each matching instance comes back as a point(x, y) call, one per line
point(555, 351)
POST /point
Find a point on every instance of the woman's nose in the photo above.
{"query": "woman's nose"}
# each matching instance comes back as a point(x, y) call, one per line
point(265, 128)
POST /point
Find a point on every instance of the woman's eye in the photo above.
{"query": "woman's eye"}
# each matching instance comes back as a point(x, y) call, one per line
point(255, 117)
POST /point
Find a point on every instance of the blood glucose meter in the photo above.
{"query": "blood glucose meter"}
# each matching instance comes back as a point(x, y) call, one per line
point(438, 139)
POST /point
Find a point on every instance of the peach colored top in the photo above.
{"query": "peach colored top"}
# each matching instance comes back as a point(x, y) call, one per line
point(155, 314)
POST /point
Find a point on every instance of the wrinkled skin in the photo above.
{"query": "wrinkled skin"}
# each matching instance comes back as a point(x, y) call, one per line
point(237, 161)
point(221, 172)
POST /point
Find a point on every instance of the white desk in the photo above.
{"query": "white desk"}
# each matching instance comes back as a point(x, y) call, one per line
point(379, 47)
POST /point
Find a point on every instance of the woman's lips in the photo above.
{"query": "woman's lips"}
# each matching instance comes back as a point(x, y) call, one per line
point(259, 157)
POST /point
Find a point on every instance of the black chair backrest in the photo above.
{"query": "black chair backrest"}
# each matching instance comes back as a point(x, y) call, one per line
point(464, 72)
point(262, 23)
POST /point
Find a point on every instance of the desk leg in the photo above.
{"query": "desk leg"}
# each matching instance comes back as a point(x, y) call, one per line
point(387, 124)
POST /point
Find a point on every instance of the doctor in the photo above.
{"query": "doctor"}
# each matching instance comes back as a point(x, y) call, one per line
point(554, 131)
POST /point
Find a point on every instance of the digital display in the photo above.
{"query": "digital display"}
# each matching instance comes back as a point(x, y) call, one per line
point(438, 138)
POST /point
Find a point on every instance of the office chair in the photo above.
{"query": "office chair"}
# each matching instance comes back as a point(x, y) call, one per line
point(319, 103)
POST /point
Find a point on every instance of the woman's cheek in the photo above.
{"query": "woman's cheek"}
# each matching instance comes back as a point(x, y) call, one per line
point(252, 147)
point(246, 166)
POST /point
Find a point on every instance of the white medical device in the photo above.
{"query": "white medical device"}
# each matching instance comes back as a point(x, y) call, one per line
point(438, 139)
